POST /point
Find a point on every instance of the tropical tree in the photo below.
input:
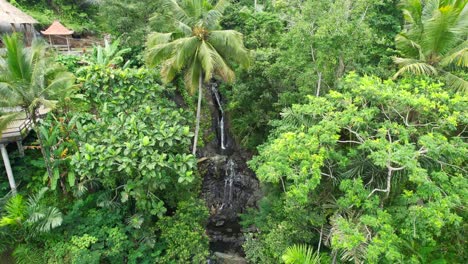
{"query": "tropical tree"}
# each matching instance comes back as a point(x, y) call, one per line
point(30, 80)
point(194, 44)
point(371, 172)
point(434, 40)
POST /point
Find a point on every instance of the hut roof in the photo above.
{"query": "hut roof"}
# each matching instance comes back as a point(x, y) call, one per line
point(57, 29)
point(10, 14)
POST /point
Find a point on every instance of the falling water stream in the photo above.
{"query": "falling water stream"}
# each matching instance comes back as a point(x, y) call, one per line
point(228, 182)
point(229, 186)
point(221, 124)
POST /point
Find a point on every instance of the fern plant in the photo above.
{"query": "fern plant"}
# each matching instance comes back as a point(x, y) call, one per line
point(30, 217)
point(301, 254)
point(25, 254)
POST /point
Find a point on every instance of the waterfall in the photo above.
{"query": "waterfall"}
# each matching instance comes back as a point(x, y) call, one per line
point(229, 186)
point(217, 98)
point(228, 182)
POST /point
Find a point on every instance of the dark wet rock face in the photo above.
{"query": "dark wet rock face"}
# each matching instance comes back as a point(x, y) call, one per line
point(229, 186)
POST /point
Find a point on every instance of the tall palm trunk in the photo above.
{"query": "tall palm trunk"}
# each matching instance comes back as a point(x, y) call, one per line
point(197, 126)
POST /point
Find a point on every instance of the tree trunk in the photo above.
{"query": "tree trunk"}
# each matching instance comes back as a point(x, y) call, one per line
point(318, 84)
point(197, 126)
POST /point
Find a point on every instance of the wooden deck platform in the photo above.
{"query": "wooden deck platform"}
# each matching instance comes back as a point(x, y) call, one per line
point(19, 128)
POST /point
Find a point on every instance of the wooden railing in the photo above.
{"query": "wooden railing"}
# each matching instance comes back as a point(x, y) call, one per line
point(17, 130)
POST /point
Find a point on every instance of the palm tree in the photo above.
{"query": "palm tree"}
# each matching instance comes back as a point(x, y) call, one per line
point(29, 79)
point(434, 40)
point(195, 44)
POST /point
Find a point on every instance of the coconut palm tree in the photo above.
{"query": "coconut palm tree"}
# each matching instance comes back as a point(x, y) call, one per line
point(194, 43)
point(434, 40)
point(29, 79)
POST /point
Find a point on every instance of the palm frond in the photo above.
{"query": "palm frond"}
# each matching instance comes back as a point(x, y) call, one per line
point(47, 219)
point(458, 56)
point(157, 38)
point(221, 5)
point(168, 70)
point(34, 199)
point(437, 36)
point(408, 46)
point(172, 7)
point(430, 6)
point(29, 77)
point(42, 218)
point(106, 200)
point(60, 85)
point(460, 27)
point(230, 45)
point(18, 65)
point(301, 254)
point(412, 11)
point(200, 45)
point(193, 8)
point(413, 66)
point(456, 83)
point(221, 68)
point(186, 50)
point(135, 221)
point(192, 75)
point(211, 19)
point(164, 51)
point(206, 60)
point(7, 118)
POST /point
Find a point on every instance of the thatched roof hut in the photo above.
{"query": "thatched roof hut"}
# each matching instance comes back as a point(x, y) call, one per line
point(12, 19)
point(12, 15)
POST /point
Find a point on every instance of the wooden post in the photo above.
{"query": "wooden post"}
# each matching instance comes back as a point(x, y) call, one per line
point(68, 45)
point(26, 35)
point(13, 28)
point(9, 172)
point(50, 41)
point(31, 27)
point(20, 147)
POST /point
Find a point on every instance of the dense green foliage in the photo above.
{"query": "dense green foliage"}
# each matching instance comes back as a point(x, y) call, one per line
point(76, 14)
point(128, 19)
point(305, 53)
point(373, 169)
point(354, 113)
point(119, 156)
